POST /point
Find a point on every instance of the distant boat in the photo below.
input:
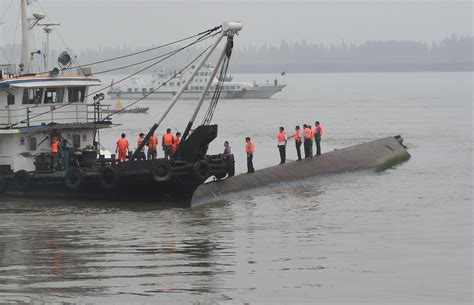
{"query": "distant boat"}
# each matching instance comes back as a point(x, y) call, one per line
point(119, 109)
point(161, 88)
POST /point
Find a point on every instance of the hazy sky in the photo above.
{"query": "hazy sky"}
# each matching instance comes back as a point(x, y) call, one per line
point(88, 24)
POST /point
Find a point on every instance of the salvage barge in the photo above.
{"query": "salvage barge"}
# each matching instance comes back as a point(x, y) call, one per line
point(37, 109)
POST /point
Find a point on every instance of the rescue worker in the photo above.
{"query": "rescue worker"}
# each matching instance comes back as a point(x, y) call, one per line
point(56, 152)
point(227, 149)
point(167, 143)
point(307, 141)
point(298, 142)
point(122, 148)
point(249, 149)
point(152, 144)
point(177, 140)
point(141, 155)
point(318, 133)
point(282, 144)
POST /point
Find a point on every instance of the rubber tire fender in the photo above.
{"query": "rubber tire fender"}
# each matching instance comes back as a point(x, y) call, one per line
point(3, 185)
point(161, 171)
point(109, 178)
point(22, 180)
point(74, 179)
point(201, 170)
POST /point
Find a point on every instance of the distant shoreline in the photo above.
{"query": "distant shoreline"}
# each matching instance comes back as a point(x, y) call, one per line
point(354, 68)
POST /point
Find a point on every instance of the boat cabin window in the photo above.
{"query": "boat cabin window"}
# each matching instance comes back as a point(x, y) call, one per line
point(32, 144)
point(151, 89)
point(32, 96)
point(171, 84)
point(76, 94)
point(76, 141)
point(54, 95)
point(10, 99)
point(129, 89)
point(144, 90)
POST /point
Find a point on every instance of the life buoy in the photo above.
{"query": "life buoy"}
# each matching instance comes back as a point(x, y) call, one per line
point(109, 178)
point(74, 179)
point(201, 170)
point(22, 180)
point(3, 185)
point(161, 171)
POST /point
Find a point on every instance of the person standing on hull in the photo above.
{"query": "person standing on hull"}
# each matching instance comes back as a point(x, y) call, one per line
point(141, 156)
point(152, 144)
point(310, 142)
point(167, 143)
point(250, 150)
point(176, 141)
point(122, 148)
point(307, 141)
point(318, 133)
point(227, 149)
point(56, 152)
point(298, 142)
point(282, 145)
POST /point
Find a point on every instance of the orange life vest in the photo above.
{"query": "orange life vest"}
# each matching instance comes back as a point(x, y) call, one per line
point(122, 144)
point(177, 140)
point(297, 136)
point(250, 148)
point(55, 147)
point(168, 139)
point(308, 133)
point(282, 136)
point(320, 128)
point(153, 142)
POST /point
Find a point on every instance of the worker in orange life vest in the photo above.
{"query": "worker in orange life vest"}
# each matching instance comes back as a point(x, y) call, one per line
point(318, 133)
point(177, 140)
point(141, 155)
point(167, 143)
point(298, 141)
point(56, 152)
point(249, 149)
point(308, 141)
point(152, 144)
point(122, 148)
point(282, 145)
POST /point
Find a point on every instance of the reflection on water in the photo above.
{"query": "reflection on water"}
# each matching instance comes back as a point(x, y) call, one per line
point(403, 235)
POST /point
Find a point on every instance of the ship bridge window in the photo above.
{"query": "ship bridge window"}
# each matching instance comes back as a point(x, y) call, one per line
point(178, 84)
point(76, 94)
point(144, 90)
point(129, 89)
point(172, 84)
point(32, 96)
point(151, 89)
point(54, 95)
point(10, 99)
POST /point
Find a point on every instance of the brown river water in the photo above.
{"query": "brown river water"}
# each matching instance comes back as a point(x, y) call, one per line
point(403, 236)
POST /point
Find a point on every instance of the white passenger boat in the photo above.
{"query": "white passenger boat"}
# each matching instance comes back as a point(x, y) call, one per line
point(160, 88)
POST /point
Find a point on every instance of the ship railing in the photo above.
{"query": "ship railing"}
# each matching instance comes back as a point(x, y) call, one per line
point(35, 115)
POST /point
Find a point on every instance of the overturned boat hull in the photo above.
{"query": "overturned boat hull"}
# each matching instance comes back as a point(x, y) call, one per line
point(377, 155)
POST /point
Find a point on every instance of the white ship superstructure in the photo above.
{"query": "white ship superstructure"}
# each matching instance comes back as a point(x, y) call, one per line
point(160, 87)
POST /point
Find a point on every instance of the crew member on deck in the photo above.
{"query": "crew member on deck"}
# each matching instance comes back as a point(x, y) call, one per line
point(177, 140)
point(56, 152)
point(167, 143)
point(307, 141)
point(318, 133)
point(152, 144)
point(122, 148)
point(141, 155)
point(282, 144)
point(298, 142)
point(227, 149)
point(249, 149)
